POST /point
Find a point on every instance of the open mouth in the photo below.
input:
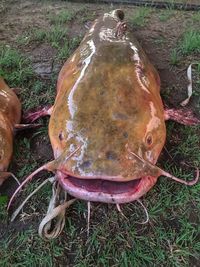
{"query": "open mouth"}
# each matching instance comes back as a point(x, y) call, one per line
point(100, 190)
point(104, 186)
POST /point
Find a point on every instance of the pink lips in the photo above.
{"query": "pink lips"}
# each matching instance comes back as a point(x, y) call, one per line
point(100, 190)
point(104, 186)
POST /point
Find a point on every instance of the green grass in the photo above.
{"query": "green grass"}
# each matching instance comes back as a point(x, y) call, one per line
point(17, 70)
point(3, 211)
point(69, 45)
point(58, 37)
point(160, 40)
point(83, 16)
point(170, 242)
point(167, 242)
point(21, 249)
point(62, 17)
point(23, 39)
point(198, 68)
point(188, 149)
point(165, 15)
point(171, 5)
point(39, 94)
point(54, 36)
point(174, 57)
point(196, 17)
point(140, 18)
point(39, 35)
point(190, 42)
point(14, 66)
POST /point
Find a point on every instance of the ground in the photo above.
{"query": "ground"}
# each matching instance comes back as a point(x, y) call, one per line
point(36, 38)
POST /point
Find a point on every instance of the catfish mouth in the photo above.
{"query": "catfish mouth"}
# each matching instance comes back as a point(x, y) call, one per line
point(101, 190)
point(104, 186)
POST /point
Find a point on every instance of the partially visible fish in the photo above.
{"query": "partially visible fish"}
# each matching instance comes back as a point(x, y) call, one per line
point(10, 115)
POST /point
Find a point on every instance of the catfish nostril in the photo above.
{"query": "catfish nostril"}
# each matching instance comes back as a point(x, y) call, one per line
point(125, 134)
point(61, 136)
point(149, 140)
point(111, 155)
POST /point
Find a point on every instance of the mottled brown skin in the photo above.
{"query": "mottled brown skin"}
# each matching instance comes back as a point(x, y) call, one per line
point(108, 103)
point(111, 110)
point(10, 114)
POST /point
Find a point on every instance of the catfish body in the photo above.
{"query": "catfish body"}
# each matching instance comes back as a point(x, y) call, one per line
point(10, 114)
point(108, 97)
point(108, 103)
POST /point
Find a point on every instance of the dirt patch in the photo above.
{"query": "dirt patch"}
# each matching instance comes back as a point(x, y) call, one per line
point(158, 40)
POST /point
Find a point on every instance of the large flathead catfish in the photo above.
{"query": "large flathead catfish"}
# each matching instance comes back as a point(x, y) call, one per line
point(107, 125)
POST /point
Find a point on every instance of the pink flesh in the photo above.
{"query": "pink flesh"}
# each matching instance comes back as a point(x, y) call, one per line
point(32, 116)
point(182, 116)
point(104, 186)
point(106, 191)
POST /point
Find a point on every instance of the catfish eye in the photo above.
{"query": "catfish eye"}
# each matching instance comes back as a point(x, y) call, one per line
point(149, 140)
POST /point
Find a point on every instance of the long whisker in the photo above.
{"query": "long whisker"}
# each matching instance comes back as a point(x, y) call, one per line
point(88, 218)
point(162, 172)
point(44, 167)
point(15, 178)
point(193, 182)
point(119, 209)
point(17, 211)
point(47, 166)
point(146, 212)
point(54, 221)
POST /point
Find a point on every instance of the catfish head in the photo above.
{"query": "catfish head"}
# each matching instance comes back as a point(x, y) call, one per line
point(112, 162)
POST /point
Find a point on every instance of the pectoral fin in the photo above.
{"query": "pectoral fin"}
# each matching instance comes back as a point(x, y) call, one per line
point(33, 115)
point(20, 127)
point(181, 115)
